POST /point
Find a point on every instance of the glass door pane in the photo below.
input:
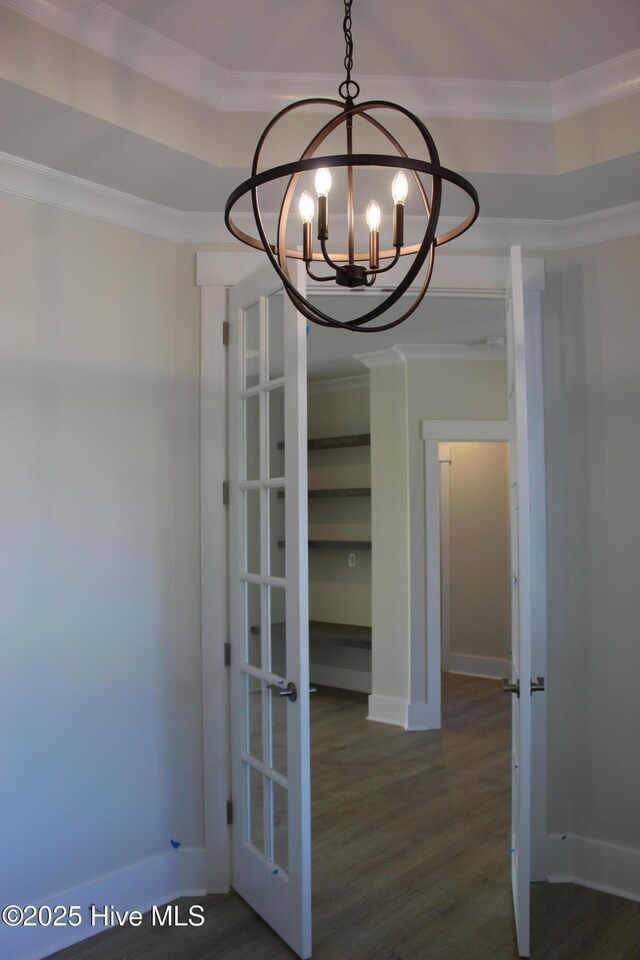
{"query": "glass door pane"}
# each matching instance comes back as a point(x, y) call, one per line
point(263, 560)
point(268, 607)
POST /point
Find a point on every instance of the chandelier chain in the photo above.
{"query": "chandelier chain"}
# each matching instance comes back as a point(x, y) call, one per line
point(348, 89)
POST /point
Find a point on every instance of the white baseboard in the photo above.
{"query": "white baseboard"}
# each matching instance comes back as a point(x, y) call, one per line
point(177, 873)
point(422, 716)
point(344, 678)
point(387, 709)
point(593, 863)
point(491, 667)
point(411, 716)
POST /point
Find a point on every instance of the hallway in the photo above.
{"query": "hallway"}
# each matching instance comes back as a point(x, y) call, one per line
point(411, 854)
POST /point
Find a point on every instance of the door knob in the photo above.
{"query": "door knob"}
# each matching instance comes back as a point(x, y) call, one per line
point(290, 691)
point(537, 686)
point(509, 687)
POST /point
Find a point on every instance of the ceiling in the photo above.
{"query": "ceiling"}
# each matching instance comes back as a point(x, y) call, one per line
point(471, 39)
point(57, 136)
point(164, 101)
point(146, 141)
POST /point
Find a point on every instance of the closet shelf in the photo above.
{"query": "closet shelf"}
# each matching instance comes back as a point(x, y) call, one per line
point(340, 492)
point(333, 443)
point(341, 634)
point(336, 544)
point(338, 634)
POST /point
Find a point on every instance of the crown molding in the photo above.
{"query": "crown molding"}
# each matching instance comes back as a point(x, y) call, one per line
point(388, 357)
point(403, 352)
point(32, 181)
point(600, 226)
point(602, 83)
point(22, 178)
point(451, 351)
point(118, 37)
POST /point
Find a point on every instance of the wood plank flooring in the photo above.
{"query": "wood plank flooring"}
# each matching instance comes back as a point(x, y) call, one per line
point(411, 854)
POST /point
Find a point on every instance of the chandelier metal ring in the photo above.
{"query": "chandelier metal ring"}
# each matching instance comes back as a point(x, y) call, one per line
point(278, 252)
point(345, 160)
point(350, 268)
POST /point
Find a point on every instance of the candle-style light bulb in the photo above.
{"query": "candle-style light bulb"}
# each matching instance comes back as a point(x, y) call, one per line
point(400, 187)
point(323, 181)
point(373, 215)
point(306, 207)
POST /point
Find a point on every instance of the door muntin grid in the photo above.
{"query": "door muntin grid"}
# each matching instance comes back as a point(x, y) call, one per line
point(262, 536)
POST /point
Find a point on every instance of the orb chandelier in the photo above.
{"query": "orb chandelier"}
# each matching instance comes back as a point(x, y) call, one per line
point(361, 264)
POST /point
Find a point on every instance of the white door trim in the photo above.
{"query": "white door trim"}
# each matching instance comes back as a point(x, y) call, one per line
point(433, 432)
point(466, 664)
point(538, 578)
point(213, 565)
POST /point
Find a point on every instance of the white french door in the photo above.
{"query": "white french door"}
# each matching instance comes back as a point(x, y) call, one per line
point(268, 584)
point(520, 685)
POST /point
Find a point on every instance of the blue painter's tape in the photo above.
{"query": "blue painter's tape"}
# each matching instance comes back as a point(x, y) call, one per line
point(175, 844)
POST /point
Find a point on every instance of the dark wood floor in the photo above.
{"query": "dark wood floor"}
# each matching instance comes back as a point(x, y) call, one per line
point(411, 854)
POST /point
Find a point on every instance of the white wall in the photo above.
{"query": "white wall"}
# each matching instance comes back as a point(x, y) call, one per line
point(390, 533)
point(99, 569)
point(591, 344)
point(403, 393)
point(442, 390)
point(477, 518)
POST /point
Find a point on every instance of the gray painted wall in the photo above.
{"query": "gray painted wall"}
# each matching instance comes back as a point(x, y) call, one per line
point(479, 549)
point(591, 343)
point(100, 660)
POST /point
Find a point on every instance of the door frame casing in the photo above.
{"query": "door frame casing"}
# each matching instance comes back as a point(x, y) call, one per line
point(433, 433)
point(215, 274)
point(495, 430)
point(469, 275)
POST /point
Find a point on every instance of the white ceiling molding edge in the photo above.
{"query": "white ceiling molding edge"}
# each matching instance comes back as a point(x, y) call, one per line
point(120, 38)
point(403, 352)
point(33, 181)
point(600, 84)
point(359, 382)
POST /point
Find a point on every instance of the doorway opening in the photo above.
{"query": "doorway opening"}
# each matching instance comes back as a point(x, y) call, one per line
point(340, 546)
point(475, 558)
point(377, 787)
point(425, 386)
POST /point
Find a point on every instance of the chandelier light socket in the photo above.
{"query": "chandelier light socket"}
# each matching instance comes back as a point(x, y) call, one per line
point(307, 242)
point(398, 224)
point(374, 250)
point(323, 217)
